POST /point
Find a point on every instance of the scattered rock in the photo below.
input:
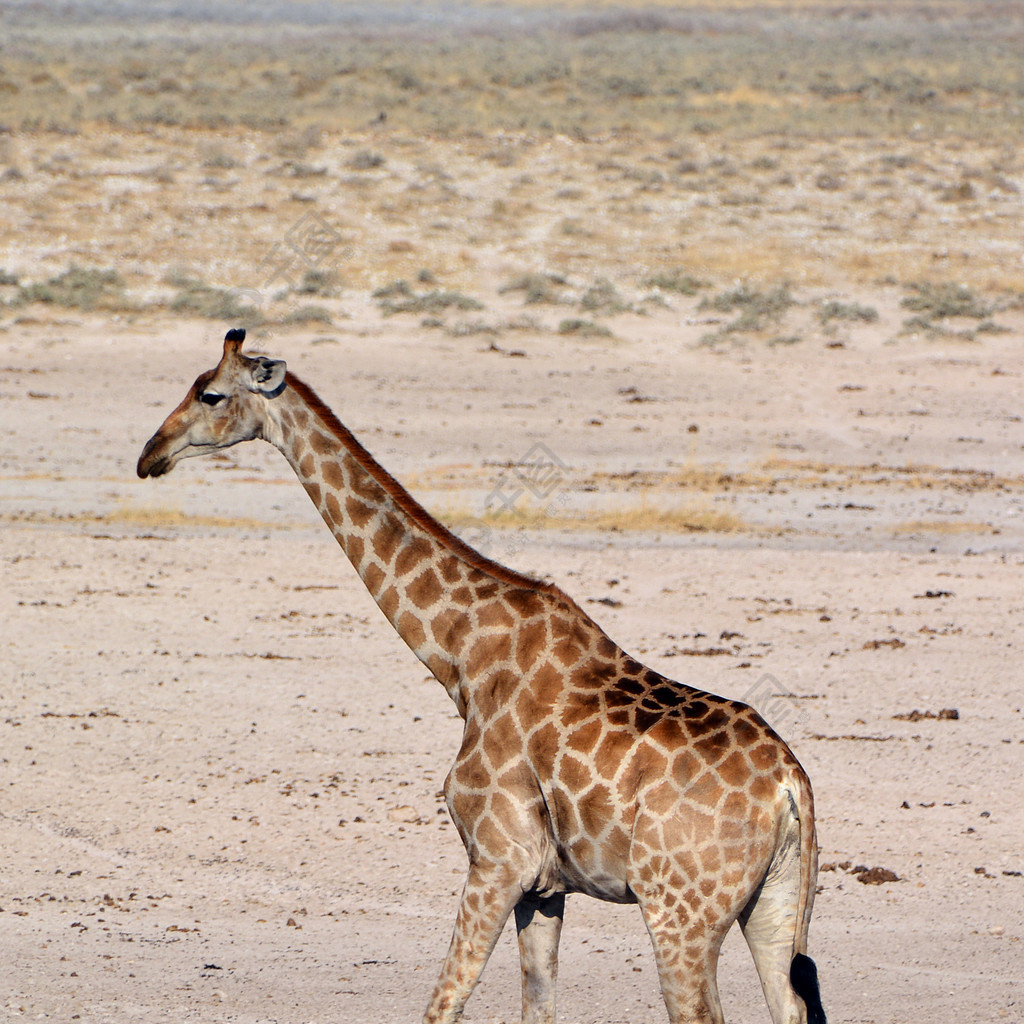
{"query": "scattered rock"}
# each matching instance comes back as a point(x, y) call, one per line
point(895, 643)
point(945, 715)
point(404, 813)
point(874, 876)
point(856, 737)
point(869, 876)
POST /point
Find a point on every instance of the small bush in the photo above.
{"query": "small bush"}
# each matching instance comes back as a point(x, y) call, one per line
point(468, 328)
point(390, 291)
point(940, 301)
point(959, 193)
point(925, 326)
point(676, 280)
point(583, 328)
point(198, 299)
point(851, 311)
point(990, 327)
point(398, 297)
point(366, 161)
point(301, 170)
point(319, 282)
point(756, 309)
point(78, 288)
point(216, 157)
point(829, 182)
point(603, 297)
point(307, 315)
point(538, 288)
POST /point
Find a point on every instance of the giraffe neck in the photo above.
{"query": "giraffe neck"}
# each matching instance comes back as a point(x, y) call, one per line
point(423, 578)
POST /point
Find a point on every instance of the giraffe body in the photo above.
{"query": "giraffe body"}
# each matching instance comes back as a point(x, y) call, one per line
point(580, 770)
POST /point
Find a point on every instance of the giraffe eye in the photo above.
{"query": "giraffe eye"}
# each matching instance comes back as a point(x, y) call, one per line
point(211, 398)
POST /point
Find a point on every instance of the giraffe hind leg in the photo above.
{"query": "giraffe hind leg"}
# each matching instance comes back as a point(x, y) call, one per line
point(768, 926)
point(686, 951)
point(773, 932)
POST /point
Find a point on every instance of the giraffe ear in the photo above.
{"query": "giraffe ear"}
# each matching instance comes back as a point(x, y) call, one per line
point(267, 376)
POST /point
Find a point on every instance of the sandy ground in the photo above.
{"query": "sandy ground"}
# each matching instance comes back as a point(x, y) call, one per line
point(221, 770)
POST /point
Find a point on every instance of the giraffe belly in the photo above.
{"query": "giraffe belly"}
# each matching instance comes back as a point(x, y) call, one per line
point(592, 849)
point(595, 882)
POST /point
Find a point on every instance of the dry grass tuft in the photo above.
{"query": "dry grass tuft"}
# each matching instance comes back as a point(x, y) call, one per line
point(943, 527)
point(693, 517)
point(149, 517)
point(163, 517)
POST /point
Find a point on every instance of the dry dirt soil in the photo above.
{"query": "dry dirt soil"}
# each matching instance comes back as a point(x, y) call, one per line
point(222, 770)
point(753, 399)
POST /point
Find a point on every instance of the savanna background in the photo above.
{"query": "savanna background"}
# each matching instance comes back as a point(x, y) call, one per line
point(712, 313)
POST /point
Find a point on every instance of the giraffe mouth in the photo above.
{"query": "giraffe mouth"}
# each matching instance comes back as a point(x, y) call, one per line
point(152, 462)
point(158, 468)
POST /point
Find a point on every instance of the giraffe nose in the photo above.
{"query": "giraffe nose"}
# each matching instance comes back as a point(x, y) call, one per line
point(151, 463)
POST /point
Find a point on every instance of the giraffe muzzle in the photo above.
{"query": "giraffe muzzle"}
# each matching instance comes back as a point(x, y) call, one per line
point(153, 461)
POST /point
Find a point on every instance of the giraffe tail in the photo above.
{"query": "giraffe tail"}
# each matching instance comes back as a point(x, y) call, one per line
point(803, 974)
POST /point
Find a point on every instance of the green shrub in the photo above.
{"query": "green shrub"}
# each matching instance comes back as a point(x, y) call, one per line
point(676, 280)
point(602, 296)
point(940, 301)
point(366, 161)
point(538, 288)
point(319, 282)
point(583, 328)
point(390, 291)
point(398, 297)
point(756, 309)
point(307, 315)
point(78, 288)
point(198, 299)
point(853, 311)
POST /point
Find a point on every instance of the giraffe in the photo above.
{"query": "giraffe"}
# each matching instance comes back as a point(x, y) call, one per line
point(580, 770)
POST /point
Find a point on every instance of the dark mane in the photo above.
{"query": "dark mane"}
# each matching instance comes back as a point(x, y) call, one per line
point(411, 507)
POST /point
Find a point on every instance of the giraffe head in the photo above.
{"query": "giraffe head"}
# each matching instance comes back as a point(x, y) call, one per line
point(224, 406)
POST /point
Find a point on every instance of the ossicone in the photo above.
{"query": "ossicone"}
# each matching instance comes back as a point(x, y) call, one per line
point(233, 340)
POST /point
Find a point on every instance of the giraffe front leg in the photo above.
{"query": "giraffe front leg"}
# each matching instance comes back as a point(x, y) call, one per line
point(490, 894)
point(539, 924)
